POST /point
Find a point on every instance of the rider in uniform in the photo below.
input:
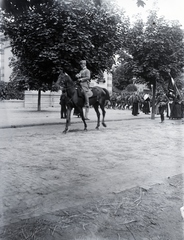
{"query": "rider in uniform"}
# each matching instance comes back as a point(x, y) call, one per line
point(84, 78)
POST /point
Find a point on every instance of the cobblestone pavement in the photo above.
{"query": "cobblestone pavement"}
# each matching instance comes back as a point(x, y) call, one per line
point(43, 170)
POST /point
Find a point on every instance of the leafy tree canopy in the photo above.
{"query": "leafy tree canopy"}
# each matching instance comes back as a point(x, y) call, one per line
point(131, 88)
point(122, 75)
point(16, 6)
point(156, 48)
point(58, 34)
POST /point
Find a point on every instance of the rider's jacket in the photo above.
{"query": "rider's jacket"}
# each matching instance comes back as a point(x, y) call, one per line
point(85, 76)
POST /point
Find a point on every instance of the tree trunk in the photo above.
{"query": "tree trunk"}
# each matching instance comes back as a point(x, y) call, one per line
point(153, 101)
point(39, 100)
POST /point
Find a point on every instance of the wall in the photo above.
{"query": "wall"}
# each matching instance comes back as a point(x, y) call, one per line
point(48, 99)
point(11, 104)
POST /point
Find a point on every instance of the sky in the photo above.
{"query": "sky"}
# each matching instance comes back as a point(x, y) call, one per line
point(170, 9)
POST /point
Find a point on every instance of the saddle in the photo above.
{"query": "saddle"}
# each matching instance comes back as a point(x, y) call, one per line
point(80, 93)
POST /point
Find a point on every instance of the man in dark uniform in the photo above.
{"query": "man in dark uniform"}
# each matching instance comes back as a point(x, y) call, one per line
point(63, 103)
point(135, 103)
point(162, 101)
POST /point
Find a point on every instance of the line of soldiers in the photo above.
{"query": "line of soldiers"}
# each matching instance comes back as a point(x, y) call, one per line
point(172, 105)
point(127, 100)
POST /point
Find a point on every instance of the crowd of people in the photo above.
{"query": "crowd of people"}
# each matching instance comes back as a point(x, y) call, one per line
point(172, 107)
point(127, 100)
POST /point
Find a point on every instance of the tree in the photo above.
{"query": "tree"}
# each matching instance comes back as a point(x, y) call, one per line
point(16, 7)
point(123, 72)
point(131, 88)
point(157, 48)
point(122, 76)
point(59, 35)
point(55, 34)
point(9, 90)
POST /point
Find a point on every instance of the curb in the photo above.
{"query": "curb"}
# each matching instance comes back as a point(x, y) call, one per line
point(63, 123)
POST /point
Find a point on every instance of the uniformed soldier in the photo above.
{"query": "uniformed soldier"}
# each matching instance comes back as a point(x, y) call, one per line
point(161, 102)
point(84, 78)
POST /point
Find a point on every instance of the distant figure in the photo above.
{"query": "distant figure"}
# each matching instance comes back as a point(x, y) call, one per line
point(113, 99)
point(135, 104)
point(176, 109)
point(161, 102)
point(63, 104)
point(146, 104)
point(182, 108)
point(2, 94)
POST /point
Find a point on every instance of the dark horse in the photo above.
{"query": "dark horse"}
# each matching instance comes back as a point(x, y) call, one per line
point(75, 99)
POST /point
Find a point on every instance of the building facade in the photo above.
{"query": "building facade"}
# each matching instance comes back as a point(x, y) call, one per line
point(6, 54)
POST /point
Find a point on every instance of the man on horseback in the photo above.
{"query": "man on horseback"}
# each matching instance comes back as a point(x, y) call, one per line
point(84, 78)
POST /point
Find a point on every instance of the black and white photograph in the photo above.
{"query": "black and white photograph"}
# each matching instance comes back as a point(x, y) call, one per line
point(91, 120)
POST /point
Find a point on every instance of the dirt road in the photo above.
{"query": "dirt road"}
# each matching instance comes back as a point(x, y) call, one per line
point(43, 171)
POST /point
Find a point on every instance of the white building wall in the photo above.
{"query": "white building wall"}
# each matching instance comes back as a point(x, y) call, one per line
point(7, 70)
point(6, 54)
point(48, 99)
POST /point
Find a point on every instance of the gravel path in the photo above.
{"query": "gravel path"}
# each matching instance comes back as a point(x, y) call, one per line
point(43, 170)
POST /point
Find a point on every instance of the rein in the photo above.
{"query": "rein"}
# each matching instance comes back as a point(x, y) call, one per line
point(68, 87)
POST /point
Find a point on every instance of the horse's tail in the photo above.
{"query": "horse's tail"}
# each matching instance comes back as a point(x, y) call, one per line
point(107, 94)
point(107, 98)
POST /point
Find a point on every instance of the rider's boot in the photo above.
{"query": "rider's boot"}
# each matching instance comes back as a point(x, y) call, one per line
point(86, 100)
point(86, 113)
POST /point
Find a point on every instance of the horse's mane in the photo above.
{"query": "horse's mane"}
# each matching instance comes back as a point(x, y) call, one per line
point(68, 76)
point(69, 79)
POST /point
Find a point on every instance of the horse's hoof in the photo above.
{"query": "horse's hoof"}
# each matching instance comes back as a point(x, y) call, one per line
point(85, 129)
point(104, 124)
point(97, 128)
point(65, 131)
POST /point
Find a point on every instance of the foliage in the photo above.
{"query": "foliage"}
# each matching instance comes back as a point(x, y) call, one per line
point(140, 3)
point(131, 88)
point(9, 90)
point(122, 75)
point(15, 7)
point(156, 47)
point(2, 90)
point(58, 34)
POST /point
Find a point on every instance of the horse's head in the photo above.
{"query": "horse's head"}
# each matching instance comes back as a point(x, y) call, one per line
point(64, 79)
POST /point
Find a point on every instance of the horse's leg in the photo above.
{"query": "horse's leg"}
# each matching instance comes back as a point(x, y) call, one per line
point(102, 106)
point(98, 115)
point(82, 117)
point(68, 117)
